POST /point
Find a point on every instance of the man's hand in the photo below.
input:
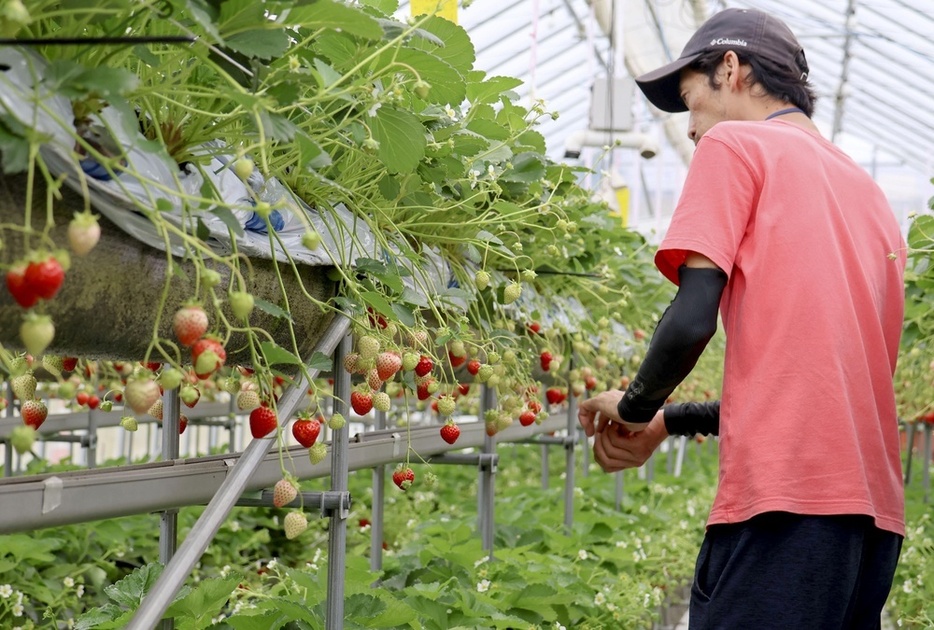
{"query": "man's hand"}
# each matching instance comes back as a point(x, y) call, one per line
point(617, 448)
point(595, 413)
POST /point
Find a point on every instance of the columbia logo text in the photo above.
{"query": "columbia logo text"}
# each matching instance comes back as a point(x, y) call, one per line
point(725, 41)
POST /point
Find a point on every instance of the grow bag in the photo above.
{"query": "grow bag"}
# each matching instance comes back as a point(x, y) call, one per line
point(109, 301)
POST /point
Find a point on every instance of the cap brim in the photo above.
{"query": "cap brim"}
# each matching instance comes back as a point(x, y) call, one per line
point(662, 86)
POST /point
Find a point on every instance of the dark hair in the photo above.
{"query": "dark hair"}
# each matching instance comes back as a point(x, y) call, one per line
point(787, 84)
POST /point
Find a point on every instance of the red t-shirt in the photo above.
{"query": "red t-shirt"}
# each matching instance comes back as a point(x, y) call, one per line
point(812, 314)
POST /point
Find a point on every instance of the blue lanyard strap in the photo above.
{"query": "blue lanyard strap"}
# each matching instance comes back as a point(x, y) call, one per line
point(782, 112)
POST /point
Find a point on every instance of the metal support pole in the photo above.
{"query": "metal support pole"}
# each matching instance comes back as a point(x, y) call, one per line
point(168, 520)
point(8, 445)
point(585, 452)
point(177, 571)
point(545, 472)
point(619, 490)
point(485, 503)
point(376, 516)
point(570, 465)
point(670, 462)
point(337, 531)
point(926, 463)
point(909, 444)
point(91, 452)
point(682, 446)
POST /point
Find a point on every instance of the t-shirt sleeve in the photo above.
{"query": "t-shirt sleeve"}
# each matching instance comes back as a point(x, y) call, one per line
point(719, 197)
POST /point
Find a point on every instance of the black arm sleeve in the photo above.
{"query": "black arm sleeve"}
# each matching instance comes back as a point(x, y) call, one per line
point(691, 418)
point(683, 332)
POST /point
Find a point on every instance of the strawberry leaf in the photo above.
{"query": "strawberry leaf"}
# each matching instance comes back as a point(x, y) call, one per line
point(401, 138)
point(270, 308)
point(321, 362)
point(227, 216)
point(489, 90)
point(131, 590)
point(316, 14)
point(262, 43)
point(275, 354)
point(206, 599)
point(14, 147)
point(526, 167)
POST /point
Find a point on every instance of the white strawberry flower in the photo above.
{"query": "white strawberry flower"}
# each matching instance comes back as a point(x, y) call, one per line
point(599, 599)
point(68, 582)
point(582, 554)
point(5, 590)
point(483, 586)
point(17, 610)
point(80, 590)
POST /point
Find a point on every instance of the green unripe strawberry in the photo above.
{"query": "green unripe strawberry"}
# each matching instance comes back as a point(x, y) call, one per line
point(129, 423)
point(512, 292)
point(36, 333)
point(241, 303)
point(492, 357)
point(243, 167)
point(311, 240)
point(262, 209)
point(484, 373)
point(337, 422)
point(170, 378)
point(421, 89)
point(22, 438)
point(482, 280)
point(210, 278)
point(370, 145)
point(409, 361)
point(446, 405)
point(107, 405)
point(317, 453)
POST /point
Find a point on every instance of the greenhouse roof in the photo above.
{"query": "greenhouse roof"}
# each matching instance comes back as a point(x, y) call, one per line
point(872, 63)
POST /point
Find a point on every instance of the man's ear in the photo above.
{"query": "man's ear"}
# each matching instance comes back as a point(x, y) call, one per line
point(732, 71)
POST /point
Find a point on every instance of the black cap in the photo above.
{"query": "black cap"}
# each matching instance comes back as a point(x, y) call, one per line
point(746, 31)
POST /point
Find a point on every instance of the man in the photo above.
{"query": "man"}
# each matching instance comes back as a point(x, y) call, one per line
point(798, 249)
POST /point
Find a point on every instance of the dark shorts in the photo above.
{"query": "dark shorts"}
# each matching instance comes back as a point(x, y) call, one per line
point(792, 572)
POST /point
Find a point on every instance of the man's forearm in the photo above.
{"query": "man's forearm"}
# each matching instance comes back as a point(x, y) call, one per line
point(683, 332)
point(691, 418)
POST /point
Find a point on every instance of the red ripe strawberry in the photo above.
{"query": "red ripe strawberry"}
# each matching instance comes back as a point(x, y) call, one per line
point(403, 477)
point(69, 364)
point(450, 432)
point(545, 358)
point(21, 291)
point(34, 413)
point(190, 323)
point(463, 388)
point(473, 366)
point(526, 418)
point(590, 382)
point(534, 327)
point(362, 402)
point(306, 431)
point(424, 365)
point(182, 423)
point(263, 421)
point(45, 277)
point(82, 398)
point(534, 406)
point(456, 361)
point(207, 356)
point(555, 395)
point(283, 493)
point(422, 391)
point(387, 364)
point(189, 395)
point(94, 402)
